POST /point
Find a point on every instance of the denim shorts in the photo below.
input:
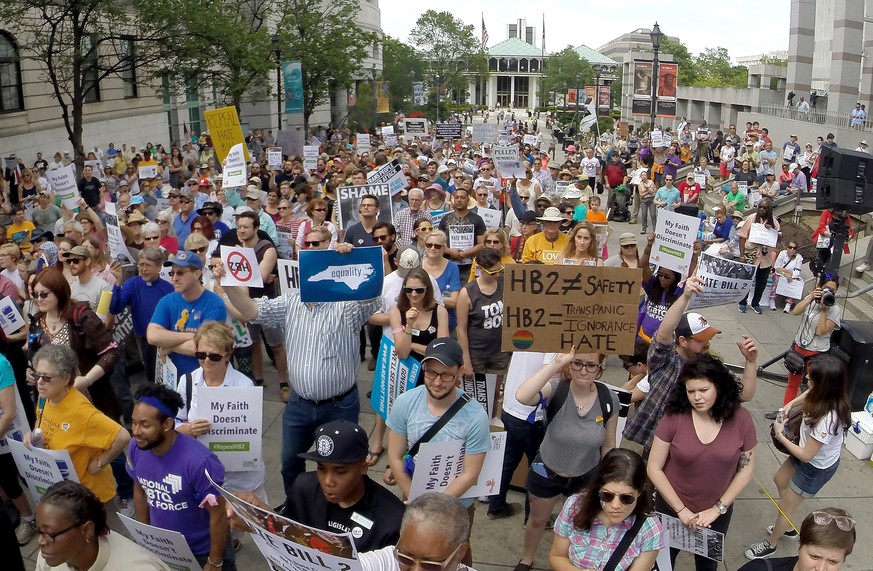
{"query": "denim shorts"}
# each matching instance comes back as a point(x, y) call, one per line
point(808, 480)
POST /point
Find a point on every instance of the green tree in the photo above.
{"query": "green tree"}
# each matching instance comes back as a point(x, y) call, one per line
point(714, 69)
point(401, 67)
point(681, 56)
point(566, 70)
point(75, 44)
point(447, 48)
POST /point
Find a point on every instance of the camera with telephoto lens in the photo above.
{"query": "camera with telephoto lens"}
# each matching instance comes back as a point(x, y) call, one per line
point(828, 297)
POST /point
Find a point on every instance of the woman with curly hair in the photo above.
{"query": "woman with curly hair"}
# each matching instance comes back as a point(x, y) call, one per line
point(618, 500)
point(702, 454)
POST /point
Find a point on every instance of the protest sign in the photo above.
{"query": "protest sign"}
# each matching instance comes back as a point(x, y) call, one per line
point(147, 172)
point(415, 127)
point(310, 157)
point(166, 372)
point(507, 162)
point(490, 216)
point(225, 131)
point(291, 141)
point(169, 546)
point(390, 174)
point(449, 130)
point(242, 267)
point(115, 239)
point(234, 172)
point(285, 245)
point(162, 204)
point(274, 158)
point(462, 237)
point(289, 276)
point(700, 179)
point(481, 387)
point(790, 288)
point(624, 403)
point(530, 140)
point(393, 377)
point(326, 275)
point(287, 544)
point(362, 141)
point(387, 130)
point(349, 198)
point(438, 464)
point(552, 308)
point(418, 96)
point(96, 169)
point(760, 234)
point(11, 319)
point(470, 167)
point(41, 468)
point(675, 234)
point(561, 187)
point(724, 281)
point(658, 139)
point(235, 432)
point(700, 541)
point(437, 215)
point(17, 428)
point(484, 133)
point(390, 141)
point(63, 181)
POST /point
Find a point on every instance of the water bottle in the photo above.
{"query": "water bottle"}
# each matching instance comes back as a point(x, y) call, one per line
point(869, 406)
point(37, 438)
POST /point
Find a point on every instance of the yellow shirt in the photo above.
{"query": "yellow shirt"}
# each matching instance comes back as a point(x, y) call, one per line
point(538, 247)
point(20, 234)
point(76, 425)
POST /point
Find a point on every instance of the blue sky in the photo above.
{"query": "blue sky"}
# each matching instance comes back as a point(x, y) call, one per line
point(744, 27)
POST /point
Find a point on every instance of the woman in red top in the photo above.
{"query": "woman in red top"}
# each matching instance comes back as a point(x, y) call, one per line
point(823, 239)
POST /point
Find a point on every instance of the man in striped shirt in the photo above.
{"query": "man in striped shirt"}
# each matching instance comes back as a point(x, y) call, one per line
point(322, 351)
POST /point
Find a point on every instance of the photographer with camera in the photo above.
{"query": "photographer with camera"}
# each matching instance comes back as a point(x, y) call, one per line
point(821, 316)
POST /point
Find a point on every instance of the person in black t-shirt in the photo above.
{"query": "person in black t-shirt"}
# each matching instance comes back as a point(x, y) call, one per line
point(89, 188)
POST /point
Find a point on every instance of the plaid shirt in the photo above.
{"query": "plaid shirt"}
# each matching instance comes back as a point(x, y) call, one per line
point(592, 548)
point(404, 222)
point(665, 364)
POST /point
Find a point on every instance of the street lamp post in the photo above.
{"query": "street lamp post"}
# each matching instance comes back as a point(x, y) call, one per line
point(656, 36)
point(597, 69)
point(277, 40)
point(375, 97)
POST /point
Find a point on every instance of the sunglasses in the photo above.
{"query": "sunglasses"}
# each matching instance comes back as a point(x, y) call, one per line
point(312, 243)
point(74, 261)
point(493, 242)
point(843, 522)
point(283, 208)
point(201, 250)
point(493, 272)
point(426, 229)
point(41, 294)
point(431, 246)
point(186, 201)
point(418, 290)
point(319, 209)
point(151, 238)
point(173, 273)
point(380, 238)
point(203, 355)
point(625, 499)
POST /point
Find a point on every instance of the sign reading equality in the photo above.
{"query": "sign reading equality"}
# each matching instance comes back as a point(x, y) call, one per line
point(553, 308)
point(326, 275)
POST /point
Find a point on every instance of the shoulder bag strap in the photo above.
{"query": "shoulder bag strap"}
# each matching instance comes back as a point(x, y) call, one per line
point(625, 542)
point(440, 423)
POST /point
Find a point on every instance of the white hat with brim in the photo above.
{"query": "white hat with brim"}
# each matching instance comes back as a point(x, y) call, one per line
point(551, 214)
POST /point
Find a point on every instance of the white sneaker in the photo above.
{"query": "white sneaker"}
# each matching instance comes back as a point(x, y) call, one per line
point(862, 268)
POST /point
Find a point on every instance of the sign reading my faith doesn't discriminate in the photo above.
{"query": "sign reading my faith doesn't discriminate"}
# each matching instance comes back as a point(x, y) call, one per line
point(552, 308)
point(326, 275)
point(675, 234)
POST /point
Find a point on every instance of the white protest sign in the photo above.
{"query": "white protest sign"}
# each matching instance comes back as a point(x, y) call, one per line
point(461, 237)
point(96, 169)
point(490, 216)
point(530, 140)
point(438, 464)
point(310, 157)
point(11, 319)
point(234, 172)
point(470, 167)
point(724, 281)
point(675, 234)
point(147, 171)
point(289, 276)
point(658, 139)
point(166, 372)
point(242, 267)
point(162, 204)
point(63, 181)
point(169, 546)
point(117, 248)
point(235, 432)
point(41, 468)
point(743, 187)
point(790, 288)
point(484, 133)
point(700, 179)
point(702, 541)
point(390, 174)
point(363, 142)
point(284, 245)
point(387, 130)
point(274, 158)
point(416, 126)
point(390, 141)
point(760, 234)
point(19, 426)
point(507, 162)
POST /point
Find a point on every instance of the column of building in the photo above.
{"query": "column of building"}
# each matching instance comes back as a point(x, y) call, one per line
point(801, 46)
point(846, 56)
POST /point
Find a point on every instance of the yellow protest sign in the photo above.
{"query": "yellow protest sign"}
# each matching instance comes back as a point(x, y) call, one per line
point(552, 308)
point(225, 130)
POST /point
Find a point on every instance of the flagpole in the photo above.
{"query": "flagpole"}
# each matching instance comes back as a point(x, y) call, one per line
point(542, 66)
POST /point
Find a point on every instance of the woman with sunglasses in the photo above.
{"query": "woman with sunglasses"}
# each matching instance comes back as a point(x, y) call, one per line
point(814, 460)
point(316, 212)
point(417, 319)
point(581, 247)
point(198, 244)
point(575, 441)
point(702, 455)
point(827, 537)
point(168, 242)
point(494, 238)
point(213, 346)
point(443, 270)
point(151, 237)
point(421, 230)
point(617, 501)
point(69, 421)
point(73, 534)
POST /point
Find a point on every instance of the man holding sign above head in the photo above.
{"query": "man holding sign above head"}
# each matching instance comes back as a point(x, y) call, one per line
point(465, 231)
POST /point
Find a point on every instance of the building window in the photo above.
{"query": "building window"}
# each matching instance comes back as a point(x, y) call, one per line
point(165, 88)
point(513, 30)
point(513, 64)
point(529, 35)
point(375, 51)
point(522, 65)
point(10, 76)
point(90, 71)
point(127, 63)
point(534, 65)
point(492, 64)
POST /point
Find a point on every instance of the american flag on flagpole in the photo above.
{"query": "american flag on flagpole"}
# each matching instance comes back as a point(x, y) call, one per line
point(484, 33)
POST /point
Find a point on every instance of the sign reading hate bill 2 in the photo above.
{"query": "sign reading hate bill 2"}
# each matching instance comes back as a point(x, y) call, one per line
point(553, 308)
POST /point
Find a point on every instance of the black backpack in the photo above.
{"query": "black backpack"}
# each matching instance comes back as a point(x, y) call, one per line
point(604, 395)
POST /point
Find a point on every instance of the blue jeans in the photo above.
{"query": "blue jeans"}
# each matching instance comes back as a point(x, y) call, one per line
point(299, 421)
point(522, 439)
point(123, 481)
